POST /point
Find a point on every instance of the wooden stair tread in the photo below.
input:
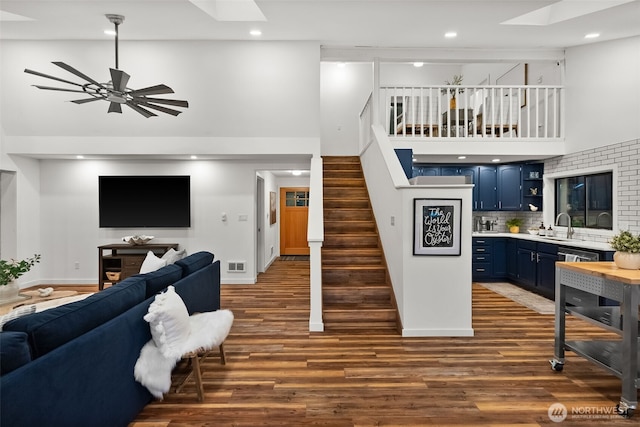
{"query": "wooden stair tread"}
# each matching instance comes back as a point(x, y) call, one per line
point(355, 290)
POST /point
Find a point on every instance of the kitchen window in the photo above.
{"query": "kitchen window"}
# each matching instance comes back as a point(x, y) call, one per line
point(587, 199)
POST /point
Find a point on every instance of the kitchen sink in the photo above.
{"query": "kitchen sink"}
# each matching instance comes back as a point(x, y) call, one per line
point(558, 239)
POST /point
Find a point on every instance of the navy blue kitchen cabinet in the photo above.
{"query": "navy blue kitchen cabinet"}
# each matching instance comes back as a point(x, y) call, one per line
point(526, 254)
point(499, 258)
point(487, 182)
point(509, 187)
point(481, 262)
point(537, 266)
point(512, 259)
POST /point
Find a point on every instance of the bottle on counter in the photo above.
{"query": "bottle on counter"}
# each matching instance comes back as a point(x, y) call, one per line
point(541, 230)
point(549, 232)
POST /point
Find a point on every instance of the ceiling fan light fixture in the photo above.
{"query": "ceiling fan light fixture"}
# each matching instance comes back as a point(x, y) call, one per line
point(116, 91)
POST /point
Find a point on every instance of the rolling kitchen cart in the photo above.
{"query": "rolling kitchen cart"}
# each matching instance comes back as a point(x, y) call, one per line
point(619, 357)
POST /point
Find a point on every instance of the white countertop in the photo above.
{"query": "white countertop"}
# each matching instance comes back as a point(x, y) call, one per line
point(558, 240)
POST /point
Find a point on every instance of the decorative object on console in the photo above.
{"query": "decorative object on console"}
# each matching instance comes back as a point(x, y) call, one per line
point(116, 91)
point(514, 224)
point(137, 239)
point(627, 246)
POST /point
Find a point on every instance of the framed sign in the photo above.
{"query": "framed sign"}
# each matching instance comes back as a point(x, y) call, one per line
point(436, 226)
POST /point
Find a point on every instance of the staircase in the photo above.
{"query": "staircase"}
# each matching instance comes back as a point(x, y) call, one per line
point(355, 289)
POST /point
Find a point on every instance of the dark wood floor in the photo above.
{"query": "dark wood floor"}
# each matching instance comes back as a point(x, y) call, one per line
point(278, 373)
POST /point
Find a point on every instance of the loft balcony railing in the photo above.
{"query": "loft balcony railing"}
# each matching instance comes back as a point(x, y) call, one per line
point(522, 112)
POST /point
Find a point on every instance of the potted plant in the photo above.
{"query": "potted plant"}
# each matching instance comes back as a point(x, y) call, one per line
point(456, 81)
point(9, 271)
point(514, 224)
point(627, 247)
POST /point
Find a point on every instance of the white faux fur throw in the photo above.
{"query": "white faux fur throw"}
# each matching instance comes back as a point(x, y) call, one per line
point(208, 330)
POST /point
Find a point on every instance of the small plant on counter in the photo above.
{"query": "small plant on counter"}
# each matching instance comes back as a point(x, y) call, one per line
point(625, 241)
point(514, 224)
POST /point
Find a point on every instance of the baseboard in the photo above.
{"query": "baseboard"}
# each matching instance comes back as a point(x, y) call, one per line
point(437, 332)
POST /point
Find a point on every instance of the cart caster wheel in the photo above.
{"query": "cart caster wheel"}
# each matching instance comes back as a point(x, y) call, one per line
point(556, 366)
point(624, 410)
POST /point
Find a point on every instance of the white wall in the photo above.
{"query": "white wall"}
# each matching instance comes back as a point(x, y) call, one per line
point(234, 88)
point(603, 94)
point(343, 93)
point(433, 292)
point(68, 214)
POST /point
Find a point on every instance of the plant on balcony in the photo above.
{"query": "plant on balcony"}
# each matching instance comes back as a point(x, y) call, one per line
point(456, 81)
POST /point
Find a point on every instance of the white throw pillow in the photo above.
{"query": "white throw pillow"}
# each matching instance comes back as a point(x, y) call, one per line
point(169, 322)
point(172, 255)
point(17, 312)
point(152, 263)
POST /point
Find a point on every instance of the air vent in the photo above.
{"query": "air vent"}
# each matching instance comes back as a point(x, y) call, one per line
point(237, 266)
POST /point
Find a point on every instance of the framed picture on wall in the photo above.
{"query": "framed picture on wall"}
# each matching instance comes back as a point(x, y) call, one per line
point(436, 226)
point(272, 207)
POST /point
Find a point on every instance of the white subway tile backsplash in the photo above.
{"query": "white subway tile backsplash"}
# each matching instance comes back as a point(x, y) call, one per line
point(626, 155)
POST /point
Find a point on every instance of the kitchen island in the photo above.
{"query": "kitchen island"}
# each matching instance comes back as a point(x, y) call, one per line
point(619, 357)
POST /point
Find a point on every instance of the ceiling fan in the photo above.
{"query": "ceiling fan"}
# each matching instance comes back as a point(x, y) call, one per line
point(116, 91)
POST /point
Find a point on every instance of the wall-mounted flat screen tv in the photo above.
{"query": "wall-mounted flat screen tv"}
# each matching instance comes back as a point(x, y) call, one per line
point(144, 201)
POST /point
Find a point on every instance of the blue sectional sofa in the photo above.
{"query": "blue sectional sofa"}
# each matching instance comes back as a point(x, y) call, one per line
point(73, 364)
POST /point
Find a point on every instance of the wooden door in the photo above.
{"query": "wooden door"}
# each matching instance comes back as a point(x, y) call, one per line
point(294, 212)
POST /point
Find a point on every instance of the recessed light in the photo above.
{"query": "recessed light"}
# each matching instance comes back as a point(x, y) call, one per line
point(79, 156)
point(255, 33)
point(592, 36)
point(462, 157)
point(110, 32)
point(194, 157)
point(418, 64)
point(450, 34)
point(296, 173)
point(495, 160)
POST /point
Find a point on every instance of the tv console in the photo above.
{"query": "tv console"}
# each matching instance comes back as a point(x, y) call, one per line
point(121, 260)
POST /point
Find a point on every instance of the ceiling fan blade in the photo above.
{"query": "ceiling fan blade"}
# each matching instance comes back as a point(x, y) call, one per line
point(36, 73)
point(119, 79)
point(176, 102)
point(141, 110)
point(152, 90)
point(59, 88)
point(114, 107)
point(77, 73)
point(160, 108)
point(84, 101)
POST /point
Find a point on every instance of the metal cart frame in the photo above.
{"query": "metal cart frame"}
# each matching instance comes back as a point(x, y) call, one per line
point(619, 357)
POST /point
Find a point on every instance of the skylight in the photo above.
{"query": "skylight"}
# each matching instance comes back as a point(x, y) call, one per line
point(231, 10)
point(563, 11)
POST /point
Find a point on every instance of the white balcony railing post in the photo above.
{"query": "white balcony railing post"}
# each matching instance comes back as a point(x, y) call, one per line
point(517, 112)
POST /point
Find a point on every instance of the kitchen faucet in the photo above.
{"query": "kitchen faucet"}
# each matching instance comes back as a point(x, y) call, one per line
point(569, 227)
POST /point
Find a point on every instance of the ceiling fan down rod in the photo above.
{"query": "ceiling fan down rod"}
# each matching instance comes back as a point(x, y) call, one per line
point(116, 20)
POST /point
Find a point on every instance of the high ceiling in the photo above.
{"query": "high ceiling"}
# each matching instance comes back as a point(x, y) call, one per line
point(334, 23)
